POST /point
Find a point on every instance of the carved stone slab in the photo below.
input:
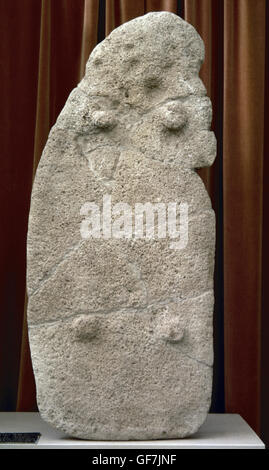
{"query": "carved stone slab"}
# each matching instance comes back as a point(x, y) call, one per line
point(121, 242)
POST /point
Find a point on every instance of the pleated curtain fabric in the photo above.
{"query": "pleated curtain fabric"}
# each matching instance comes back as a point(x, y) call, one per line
point(44, 45)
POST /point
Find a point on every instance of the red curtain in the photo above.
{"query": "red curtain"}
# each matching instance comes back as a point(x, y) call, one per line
point(44, 47)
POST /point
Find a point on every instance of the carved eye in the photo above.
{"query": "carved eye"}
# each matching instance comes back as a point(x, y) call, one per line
point(152, 78)
point(103, 119)
point(152, 81)
point(173, 116)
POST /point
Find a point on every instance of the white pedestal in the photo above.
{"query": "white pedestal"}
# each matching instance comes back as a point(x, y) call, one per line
point(220, 431)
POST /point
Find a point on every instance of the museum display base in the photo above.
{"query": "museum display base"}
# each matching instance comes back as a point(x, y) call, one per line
point(220, 431)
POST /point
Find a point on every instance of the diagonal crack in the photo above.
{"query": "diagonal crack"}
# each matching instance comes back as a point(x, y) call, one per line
point(72, 249)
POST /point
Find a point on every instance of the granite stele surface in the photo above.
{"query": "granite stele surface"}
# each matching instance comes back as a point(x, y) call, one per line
point(121, 242)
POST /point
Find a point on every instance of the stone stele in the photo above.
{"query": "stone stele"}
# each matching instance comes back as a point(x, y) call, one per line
point(120, 321)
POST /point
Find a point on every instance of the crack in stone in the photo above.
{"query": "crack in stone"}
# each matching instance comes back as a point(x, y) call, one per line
point(199, 361)
point(122, 310)
point(49, 274)
point(75, 247)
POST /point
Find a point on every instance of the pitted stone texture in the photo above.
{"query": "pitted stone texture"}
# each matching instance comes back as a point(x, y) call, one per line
point(114, 376)
point(121, 328)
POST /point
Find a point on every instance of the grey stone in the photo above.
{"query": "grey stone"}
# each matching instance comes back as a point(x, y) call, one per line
point(120, 327)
